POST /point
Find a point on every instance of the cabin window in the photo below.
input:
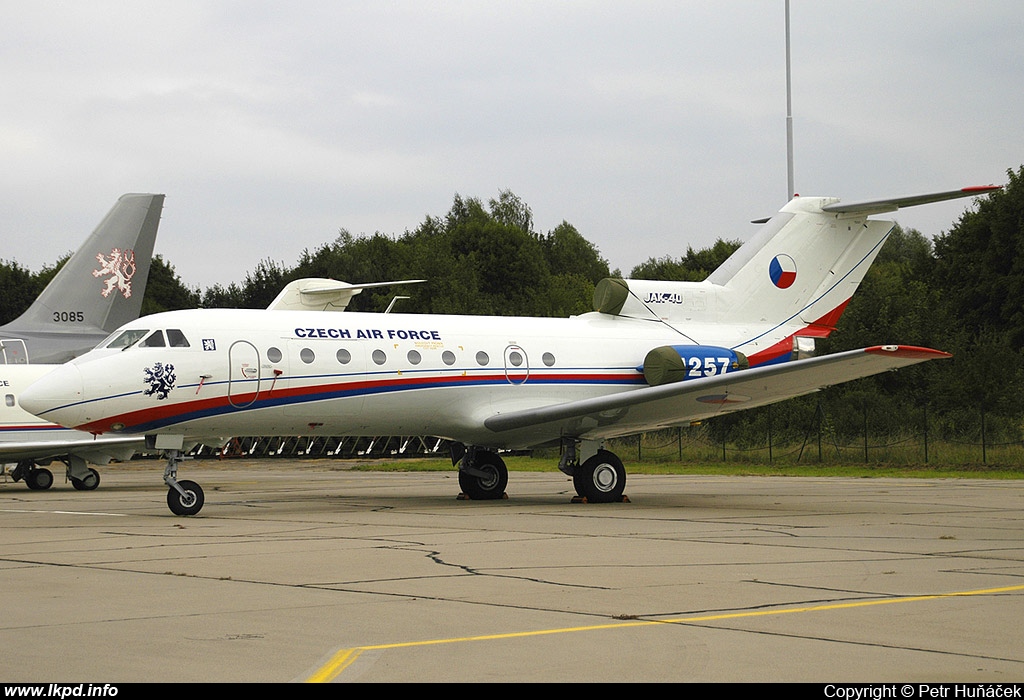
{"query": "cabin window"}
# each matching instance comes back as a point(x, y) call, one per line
point(9, 400)
point(482, 358)
point(176, 339)
point(127, 338)
point(515, 358)
point(307, 355)
point(156, 340)
point(274, 354)
point(344, 356)
point(414, 357)
point(379, 357)
point(548, 359)
point(448, 357)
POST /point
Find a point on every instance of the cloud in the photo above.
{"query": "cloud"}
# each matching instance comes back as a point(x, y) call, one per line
point(650, 126)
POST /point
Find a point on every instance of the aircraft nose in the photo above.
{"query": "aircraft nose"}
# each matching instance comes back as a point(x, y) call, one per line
point(55, 396)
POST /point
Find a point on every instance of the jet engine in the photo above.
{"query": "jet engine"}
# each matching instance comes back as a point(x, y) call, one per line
point(676, 363)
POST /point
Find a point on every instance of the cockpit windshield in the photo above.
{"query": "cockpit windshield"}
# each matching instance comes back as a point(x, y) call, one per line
point(127, 338)
point(155, 339)
point(176, 339)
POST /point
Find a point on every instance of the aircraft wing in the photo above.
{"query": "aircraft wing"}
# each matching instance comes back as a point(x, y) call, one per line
point(99, 450)
point(651, 408)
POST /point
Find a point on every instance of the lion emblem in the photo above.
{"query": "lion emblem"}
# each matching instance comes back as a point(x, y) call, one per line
point(119, 268)
point(160, 378)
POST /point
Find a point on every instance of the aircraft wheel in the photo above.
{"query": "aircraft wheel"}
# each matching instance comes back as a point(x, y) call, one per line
point(489, 480)
point(89, 483)
point(39, 479)
point(601, 479)
point(189, 504)
point(579, 482)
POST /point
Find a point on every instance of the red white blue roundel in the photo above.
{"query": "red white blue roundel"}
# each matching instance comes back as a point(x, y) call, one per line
point(782, 271)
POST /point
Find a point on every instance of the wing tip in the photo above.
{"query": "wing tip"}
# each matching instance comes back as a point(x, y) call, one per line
point(912, 352)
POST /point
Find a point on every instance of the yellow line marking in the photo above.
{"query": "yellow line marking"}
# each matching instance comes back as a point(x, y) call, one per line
point(338, 663)
point(344, 658)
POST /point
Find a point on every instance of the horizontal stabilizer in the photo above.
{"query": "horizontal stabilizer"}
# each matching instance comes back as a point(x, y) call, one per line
point(880, 206)
point(322, 294)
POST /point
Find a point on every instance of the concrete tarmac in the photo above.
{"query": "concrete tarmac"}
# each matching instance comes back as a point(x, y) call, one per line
point(305, 571)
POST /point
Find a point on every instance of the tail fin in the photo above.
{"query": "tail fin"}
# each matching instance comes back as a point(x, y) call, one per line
point(802, 268)
point(805, 265)
point(794, 278)
point(99, 288)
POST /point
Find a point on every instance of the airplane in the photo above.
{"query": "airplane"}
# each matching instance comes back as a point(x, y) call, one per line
point(31, 442)
point(97, 290)
point(652, 355)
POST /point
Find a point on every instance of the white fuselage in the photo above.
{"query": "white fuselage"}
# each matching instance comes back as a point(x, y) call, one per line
point(18, 426)
point(24, 436)
point(300, 373)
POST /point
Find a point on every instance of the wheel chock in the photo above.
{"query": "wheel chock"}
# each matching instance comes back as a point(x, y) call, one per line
point(583, 499)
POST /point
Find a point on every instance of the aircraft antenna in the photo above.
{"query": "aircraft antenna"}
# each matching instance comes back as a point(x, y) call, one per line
point(392, 304)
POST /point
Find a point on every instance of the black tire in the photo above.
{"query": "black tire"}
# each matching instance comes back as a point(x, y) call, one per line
point(489, 486)
point(89, 483)
point(186, 505)
point(579, 482)
point(39, 479)
point(601, 479)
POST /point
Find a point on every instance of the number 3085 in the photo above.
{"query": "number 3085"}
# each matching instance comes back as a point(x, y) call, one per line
point(68, 316)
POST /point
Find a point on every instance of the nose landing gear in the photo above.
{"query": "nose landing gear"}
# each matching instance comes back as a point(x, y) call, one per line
point(183, 497)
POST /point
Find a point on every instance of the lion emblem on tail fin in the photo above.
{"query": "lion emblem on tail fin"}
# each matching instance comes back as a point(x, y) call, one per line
point(119, 268)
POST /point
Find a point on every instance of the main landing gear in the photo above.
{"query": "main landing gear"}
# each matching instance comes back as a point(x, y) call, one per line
point(183, 497)
point(601, 478)
point(88, 482)
point(483, 475)
point(37, 478)
point(81, 476)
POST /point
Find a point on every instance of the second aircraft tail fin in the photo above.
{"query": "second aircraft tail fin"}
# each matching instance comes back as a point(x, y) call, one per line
point(101, 286)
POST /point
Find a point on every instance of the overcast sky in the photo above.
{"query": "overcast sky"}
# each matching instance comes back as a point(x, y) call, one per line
point(650, 126)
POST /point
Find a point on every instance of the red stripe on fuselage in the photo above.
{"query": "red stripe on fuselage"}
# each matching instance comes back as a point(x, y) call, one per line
point(167, 412)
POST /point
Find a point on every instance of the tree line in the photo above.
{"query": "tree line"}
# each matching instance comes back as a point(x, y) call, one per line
point(961, 291)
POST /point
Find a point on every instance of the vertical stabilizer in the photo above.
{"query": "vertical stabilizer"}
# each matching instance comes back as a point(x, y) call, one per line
point(99, 289)
point(791, 281)
point(102, 284)
point(802, 267)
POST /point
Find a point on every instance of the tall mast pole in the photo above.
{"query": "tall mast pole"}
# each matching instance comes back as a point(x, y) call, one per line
point(789, 112)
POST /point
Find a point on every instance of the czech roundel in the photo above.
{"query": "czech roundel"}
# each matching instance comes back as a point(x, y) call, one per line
point(782, 271)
